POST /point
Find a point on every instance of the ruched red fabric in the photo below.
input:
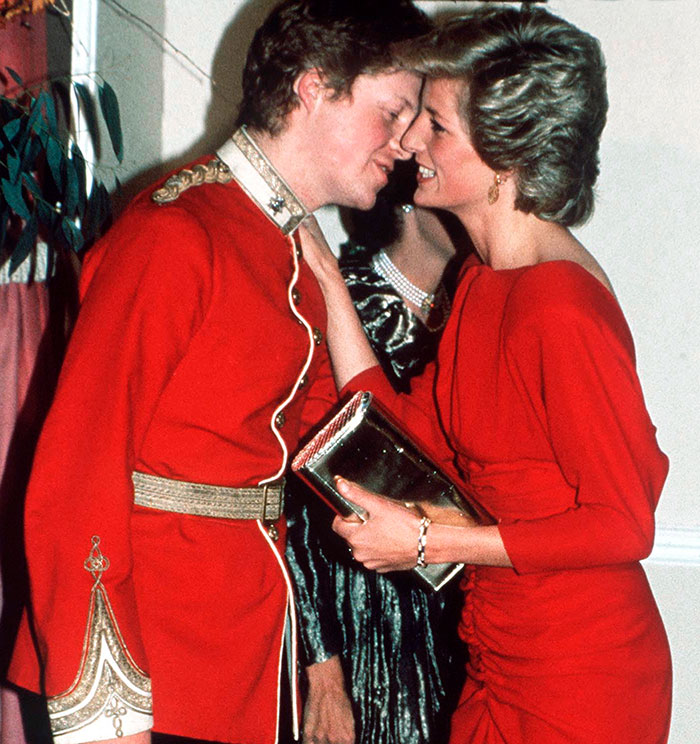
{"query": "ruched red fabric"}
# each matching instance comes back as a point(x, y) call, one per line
point(541, 414)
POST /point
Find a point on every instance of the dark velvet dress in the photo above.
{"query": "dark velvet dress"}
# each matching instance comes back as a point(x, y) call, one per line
point(398, 643)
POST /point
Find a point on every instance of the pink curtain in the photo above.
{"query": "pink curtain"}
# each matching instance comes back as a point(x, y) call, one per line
point(29, 355)
point(23, 320)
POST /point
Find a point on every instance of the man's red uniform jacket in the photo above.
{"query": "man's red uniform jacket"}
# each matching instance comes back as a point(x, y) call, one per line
point(189, 361)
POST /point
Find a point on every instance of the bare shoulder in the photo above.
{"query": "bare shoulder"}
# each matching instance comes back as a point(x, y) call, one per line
point(562, 299)
point(565, 272)
point(587, 261)
point(561, 280)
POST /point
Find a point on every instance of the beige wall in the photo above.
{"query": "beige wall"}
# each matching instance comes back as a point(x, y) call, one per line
point(645, 231)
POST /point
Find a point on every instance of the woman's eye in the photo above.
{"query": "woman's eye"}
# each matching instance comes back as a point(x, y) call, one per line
point(436, 127)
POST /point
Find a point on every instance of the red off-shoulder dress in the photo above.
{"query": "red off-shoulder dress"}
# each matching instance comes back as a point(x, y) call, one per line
point(541, 414)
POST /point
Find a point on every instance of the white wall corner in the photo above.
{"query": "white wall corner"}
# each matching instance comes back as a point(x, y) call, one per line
point(677, 546)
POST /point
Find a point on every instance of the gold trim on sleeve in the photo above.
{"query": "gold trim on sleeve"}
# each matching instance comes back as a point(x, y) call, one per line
point(111, 696)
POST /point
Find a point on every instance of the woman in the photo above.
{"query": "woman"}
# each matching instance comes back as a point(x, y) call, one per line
point(540, 414)
point(378, 644)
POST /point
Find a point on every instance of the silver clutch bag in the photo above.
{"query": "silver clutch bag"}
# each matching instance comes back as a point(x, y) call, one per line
point(362, 444)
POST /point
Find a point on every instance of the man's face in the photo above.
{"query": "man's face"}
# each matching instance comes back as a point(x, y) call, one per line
point(358, 136)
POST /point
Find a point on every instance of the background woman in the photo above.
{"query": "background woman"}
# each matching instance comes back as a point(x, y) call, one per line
point(383, 654)
point(540, 414)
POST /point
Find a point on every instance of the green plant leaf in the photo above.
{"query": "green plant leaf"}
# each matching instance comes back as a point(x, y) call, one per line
point(32, 185)
point(15, 76)
point(42, 134)
point(25, 244)
point(55, 157)
point(34, 111)
point(26, 130)
point(71, 193)
point(43, 123)
point(5, 145)
point(46, 101)
point(87, 105)
point(13, 163)
point(73, 235)
point(110, 111)
point(30, 155)
point(46, 215)
point(13, 196)
point(80, 172)
point(11, 129)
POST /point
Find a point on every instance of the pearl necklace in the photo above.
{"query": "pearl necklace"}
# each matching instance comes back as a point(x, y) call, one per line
point(386, 268)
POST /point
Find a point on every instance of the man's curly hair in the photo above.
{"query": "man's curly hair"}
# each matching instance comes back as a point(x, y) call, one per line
point(342, 38)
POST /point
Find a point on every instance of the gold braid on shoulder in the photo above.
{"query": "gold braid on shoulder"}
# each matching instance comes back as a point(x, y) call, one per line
point(215, 171)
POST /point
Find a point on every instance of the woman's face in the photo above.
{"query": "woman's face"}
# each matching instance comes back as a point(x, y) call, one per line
point(451, 175)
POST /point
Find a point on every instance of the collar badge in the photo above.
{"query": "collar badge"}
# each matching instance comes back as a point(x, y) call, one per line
point(276, 204)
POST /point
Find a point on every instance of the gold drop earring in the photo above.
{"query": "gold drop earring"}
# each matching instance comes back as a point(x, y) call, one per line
point(494, 193)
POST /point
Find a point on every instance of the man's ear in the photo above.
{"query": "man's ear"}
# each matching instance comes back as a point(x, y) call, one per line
point(310, 87)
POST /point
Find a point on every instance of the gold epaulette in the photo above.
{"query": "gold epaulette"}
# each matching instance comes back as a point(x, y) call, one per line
point(215, 171)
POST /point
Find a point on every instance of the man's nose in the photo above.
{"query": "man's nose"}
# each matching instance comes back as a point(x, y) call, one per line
point(400, 152)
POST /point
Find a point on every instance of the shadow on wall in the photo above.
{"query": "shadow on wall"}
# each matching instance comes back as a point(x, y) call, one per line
point(226, 72)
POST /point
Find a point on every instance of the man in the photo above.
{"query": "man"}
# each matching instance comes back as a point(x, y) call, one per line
point(154, 534)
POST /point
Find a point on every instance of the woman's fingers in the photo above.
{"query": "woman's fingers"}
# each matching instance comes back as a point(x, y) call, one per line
point(387, 539)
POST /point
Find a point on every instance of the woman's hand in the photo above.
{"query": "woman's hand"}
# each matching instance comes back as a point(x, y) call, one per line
point(317, 253)
point(348, 346)
point(328, 715)
point(388, 539)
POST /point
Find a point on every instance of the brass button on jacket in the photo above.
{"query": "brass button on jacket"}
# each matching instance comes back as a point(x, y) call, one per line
point(318, 336)
point(279, 420)
point(296, 296)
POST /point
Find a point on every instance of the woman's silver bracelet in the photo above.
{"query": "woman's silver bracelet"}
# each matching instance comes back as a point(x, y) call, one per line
point(422, 540)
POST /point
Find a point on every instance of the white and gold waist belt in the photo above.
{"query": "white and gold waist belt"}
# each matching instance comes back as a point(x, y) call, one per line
point(199, 499)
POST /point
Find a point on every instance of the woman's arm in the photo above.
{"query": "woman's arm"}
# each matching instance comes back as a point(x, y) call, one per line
point(349, 348)
point(388, 539)
point(570, 352)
